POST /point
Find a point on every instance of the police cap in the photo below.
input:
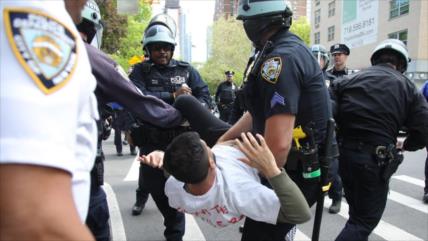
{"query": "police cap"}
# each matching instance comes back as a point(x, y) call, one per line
point(229, 73)
point(339, 48)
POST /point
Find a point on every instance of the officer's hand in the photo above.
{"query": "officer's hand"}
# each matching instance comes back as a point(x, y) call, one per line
point(258, 154)
point(154, 159)
point(183, 90)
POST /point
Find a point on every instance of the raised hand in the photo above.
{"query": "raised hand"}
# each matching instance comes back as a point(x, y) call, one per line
point(258, 154)
point(154, 159)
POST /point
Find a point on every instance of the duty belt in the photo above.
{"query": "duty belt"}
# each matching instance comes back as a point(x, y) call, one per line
point(380, 151)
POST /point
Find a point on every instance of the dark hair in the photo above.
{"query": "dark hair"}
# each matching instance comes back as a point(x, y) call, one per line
point(186, 158)
point(389, 56)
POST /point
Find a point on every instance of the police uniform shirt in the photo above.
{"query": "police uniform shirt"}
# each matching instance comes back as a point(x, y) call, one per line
point(47, 105)
point(161, 81)
point(225, 93)
point(338, 73)
point(290, 82)
point(374, 103)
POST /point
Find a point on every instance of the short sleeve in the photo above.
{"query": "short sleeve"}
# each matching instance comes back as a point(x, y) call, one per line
point(281, 81)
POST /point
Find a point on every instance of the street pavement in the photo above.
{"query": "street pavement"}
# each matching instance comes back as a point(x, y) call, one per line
point(405, 217)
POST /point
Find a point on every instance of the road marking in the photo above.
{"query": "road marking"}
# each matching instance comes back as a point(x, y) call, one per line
point(134, 171)
point(193, 232)
point(411, 180)
point(300, 236)
point(408, 201)
point(116, 223)
point(385, 230)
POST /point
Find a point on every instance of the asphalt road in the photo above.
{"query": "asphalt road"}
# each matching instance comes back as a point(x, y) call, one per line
point(405, 217)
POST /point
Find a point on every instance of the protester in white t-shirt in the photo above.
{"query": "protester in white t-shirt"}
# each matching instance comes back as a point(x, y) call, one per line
point(47, 128)
point(222, 185)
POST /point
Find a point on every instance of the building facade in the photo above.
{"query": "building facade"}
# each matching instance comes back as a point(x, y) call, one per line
point(362, 24)
point(225, 8)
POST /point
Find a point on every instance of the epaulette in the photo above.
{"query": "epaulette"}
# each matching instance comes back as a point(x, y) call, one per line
point(182, 63)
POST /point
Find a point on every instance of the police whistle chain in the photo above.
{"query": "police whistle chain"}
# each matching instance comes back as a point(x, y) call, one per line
point(325, 184)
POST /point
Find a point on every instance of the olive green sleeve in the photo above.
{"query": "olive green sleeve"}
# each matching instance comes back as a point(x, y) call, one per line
point(294, 208)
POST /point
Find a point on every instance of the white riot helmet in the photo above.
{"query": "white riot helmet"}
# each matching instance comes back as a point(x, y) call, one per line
point(319, 51)
point(91, 24)
point(395, 46)
point(161, 29)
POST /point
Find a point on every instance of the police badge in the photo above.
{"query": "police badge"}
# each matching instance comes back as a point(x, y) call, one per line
point(271, 69)
point(44, 47)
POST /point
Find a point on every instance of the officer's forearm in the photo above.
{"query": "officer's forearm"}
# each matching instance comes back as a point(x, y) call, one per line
point(242, 125)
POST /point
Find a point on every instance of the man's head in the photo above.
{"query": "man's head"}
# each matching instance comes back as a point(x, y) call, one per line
point(340, 53)
point(321, 54)
point(263, 18)
point(188, 158)
point(91, 27)
point(159, 39)
point(74, 8)
point(229, 75)
point(391, 51)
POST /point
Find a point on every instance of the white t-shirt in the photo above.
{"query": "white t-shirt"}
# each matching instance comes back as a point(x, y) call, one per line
point(47, 106)
point(237, 192)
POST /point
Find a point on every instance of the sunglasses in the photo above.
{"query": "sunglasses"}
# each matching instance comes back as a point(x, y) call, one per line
point(159, 47)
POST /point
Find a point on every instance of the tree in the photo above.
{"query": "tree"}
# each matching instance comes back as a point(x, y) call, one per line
point(301, 28)
point(115, 26)
point(131, 43)
point(230, 51)
point(122, 34)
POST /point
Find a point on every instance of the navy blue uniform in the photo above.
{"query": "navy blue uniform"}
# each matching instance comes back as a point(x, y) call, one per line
point(372, 106)
point(162, 81)
point(224, 97)
point(112, 86)
point(338, 73)
point(289, 82)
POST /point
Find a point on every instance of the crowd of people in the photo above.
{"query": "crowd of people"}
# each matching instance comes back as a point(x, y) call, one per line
point(191, 161)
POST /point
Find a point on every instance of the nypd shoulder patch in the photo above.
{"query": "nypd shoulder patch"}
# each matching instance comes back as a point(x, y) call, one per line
point(271, 69)
point(44, 47)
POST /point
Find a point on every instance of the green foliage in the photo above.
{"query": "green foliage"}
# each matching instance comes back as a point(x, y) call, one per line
point(124, 47)
point(301, 28)
point(230, 51)
point(114, 25)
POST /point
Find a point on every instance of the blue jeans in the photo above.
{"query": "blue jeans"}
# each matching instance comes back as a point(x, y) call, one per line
point(365, 192)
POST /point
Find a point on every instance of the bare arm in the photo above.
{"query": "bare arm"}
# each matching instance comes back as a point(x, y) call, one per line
point(36, 203)
point(242, 125)
point(278, 135)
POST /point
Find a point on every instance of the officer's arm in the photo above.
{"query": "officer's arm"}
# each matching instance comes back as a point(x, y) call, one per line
point(115, 87)
point(217, 93)
point(244, 124)
point(37, 203)
point(417, 124)
point(278, 135)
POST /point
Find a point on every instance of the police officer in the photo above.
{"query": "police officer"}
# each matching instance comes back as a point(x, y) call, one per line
point(165, 78)
point(285, 89)
point(425, 197)
point(340, 53)
point(113, 85)
point(225, 96)
point(48, 129)
point(372, 106)
point(335, 191)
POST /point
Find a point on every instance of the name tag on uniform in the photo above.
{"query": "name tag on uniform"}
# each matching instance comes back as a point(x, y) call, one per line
point(44, 47)
point(178, 80)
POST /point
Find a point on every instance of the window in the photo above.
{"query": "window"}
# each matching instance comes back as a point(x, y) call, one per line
point(317, 18)
point(400, 35)
point(331, 8)
point(331, 33)
point(398, 8)
point(317, 38)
